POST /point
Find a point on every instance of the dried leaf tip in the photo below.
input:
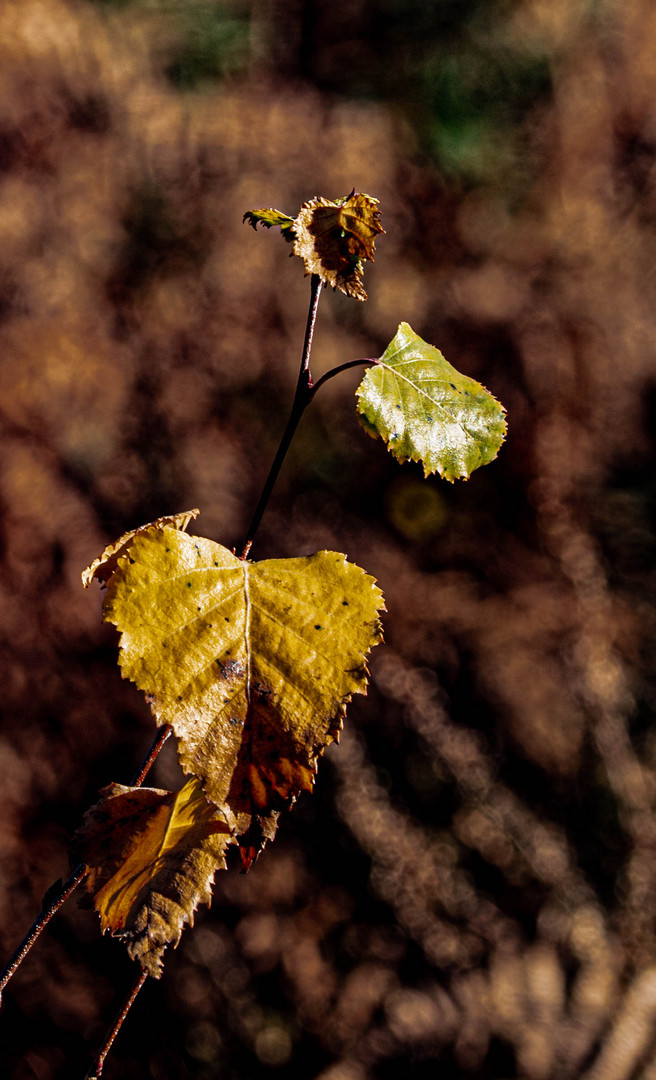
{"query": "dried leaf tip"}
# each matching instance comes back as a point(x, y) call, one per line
point(332, 238)
point(104, 566)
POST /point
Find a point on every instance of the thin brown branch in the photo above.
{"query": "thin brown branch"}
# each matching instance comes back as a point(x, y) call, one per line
point(302, 399)
point(56, 895)
point(96, 1069)
point(152, 755)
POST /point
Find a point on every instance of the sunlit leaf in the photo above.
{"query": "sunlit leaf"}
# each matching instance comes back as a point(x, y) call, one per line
point(151, 857)
point(427, 411)
point(251, 663)
point(334, 238)
point(270, 218)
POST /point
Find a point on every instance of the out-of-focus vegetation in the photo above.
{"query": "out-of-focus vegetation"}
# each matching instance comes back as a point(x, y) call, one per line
point(471, 888)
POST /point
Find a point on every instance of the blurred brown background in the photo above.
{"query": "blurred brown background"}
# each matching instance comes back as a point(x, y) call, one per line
point(470, 892)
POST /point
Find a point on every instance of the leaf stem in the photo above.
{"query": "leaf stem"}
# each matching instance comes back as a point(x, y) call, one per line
point(315, 293)
point(341, 367)
point(96, 1070)
point(302, 399)
point(151, 757)
point(58, 893)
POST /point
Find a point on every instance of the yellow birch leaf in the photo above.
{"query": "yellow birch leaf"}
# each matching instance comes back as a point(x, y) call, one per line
point(151, 857)
point(251, 663)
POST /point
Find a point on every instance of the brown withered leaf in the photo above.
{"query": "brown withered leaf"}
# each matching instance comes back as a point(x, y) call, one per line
point(251, 663)
point(334, 238)
point(104, 566)
point(151, 857)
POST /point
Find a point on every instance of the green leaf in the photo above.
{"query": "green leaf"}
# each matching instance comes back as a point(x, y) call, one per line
point(251, 663)
point(427, 411)
point(270, 218)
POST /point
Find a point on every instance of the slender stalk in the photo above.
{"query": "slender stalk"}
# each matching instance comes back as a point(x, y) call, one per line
point(58, 893)
point(341, 367)
point(96, 1070)
point(302, 399)
point(315, 293)
point(305, 391)
point(151, 757)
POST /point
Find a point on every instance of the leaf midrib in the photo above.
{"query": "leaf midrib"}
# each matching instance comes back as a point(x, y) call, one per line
point(422, 393)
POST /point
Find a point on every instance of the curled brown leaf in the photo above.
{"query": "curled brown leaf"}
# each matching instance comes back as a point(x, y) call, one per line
point(334, 239)
point(151, 857)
